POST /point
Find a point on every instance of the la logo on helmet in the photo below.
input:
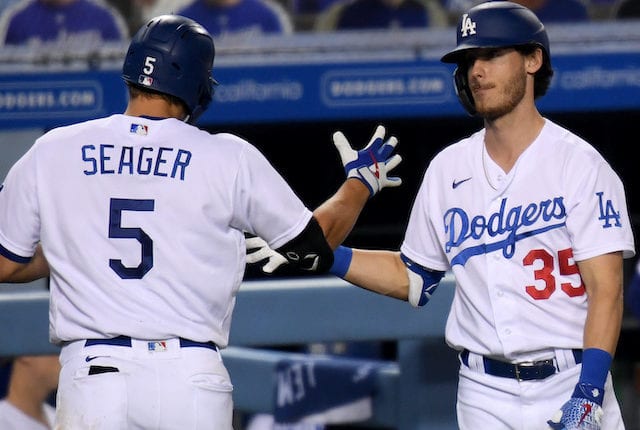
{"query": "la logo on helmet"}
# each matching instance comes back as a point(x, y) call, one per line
point(468, 27)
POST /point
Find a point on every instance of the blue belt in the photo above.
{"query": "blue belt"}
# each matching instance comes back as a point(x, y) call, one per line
point(521, 371)
point(126, 341)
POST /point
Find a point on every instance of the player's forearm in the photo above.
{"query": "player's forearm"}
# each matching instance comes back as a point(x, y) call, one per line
point(338, 214)
point(604, 321)
point(382, 272)
point(603, 279)
point(13, 272)
point(602, 328)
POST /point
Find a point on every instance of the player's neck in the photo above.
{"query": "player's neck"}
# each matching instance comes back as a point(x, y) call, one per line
point(506, 138)
point(154, 107)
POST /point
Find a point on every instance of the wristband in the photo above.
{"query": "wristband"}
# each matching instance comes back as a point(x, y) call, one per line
point(595, 367)
point(341, 261)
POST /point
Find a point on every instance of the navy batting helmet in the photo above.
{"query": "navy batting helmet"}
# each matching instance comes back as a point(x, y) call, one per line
point(495, 24)
point(173, 55)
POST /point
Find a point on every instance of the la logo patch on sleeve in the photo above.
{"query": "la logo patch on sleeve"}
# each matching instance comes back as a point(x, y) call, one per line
point(608, 214)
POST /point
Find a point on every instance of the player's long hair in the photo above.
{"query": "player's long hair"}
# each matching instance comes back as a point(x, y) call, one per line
point(542, 78)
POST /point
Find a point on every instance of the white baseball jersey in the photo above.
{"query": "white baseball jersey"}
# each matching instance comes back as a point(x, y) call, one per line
point(142, 223)
point(512, 240)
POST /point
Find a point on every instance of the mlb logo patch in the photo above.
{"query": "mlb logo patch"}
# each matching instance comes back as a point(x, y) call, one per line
point(139, 129)
point(157, 346)
point(145, 80)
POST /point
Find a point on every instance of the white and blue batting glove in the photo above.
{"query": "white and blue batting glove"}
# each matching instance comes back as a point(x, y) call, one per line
point(258, 250)
point(371, 164)
point(582, 412)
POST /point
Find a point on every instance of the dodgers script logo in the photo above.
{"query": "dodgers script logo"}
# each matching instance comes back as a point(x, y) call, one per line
point(467, 27)
point(460, 227)
point(550, 214)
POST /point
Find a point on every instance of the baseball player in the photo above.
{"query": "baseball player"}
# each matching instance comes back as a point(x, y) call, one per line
point(141, 218)
point(533, 223)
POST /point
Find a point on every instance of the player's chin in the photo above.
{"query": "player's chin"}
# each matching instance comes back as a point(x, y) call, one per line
point(491, 112)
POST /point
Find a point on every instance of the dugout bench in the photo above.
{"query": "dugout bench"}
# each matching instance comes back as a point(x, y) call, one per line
point(417, 391)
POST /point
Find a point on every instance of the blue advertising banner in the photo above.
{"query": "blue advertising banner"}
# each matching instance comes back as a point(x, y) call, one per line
point(315, 92)
point(45, 100)
point(592, 82)
point(342, 91)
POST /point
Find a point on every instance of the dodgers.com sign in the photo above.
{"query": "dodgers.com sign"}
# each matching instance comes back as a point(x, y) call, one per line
point(45, 99)
point(364, 87)
point(50, 99)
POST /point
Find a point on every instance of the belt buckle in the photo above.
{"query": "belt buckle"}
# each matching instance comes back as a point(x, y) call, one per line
point(517, 367)
point(534, 364)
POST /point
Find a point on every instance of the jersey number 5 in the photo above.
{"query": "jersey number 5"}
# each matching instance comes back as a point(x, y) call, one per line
point(116, 231)
point(545, 273)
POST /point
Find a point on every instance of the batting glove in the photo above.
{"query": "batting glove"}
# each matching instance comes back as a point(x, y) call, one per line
point(582, 412)
point(261, 251)
point(371, 164)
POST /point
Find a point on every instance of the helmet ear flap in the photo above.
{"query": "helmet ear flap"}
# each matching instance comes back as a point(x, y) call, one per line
point(463, 91)
point(206, 96)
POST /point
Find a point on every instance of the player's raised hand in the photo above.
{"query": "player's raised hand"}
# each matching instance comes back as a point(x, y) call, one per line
point(258, 250)
point(583, 411)
point(372, 163)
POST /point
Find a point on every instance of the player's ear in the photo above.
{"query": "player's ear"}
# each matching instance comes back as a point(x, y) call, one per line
point(534, 61)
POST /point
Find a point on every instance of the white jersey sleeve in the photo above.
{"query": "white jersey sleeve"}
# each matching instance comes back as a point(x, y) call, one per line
point(142, 222)
point(19, 240)
point(425, 247)
point(261, 200)
point(597, 216)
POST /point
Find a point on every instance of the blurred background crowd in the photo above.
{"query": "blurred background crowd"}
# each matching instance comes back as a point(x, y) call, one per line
point(37, 21)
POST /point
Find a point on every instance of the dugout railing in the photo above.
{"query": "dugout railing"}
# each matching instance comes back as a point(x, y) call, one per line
point(414, 391)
